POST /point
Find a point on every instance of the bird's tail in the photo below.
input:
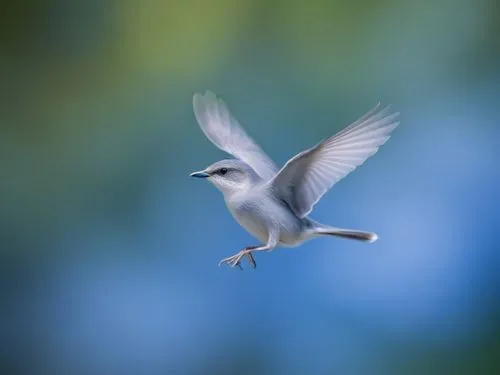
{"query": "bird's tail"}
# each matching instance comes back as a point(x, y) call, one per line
point(346, 233)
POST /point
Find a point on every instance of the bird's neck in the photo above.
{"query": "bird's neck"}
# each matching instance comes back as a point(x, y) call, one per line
point(240, 189)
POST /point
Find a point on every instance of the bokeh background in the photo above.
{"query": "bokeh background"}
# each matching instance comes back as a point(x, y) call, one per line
point(109, 250)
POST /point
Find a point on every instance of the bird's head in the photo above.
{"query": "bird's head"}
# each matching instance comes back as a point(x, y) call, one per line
point(229, 175)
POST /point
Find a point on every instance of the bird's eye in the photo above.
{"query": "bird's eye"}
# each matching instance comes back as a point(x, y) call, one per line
point(223, 171)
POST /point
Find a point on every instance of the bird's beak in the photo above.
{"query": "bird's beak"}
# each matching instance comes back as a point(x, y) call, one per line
point(200, 174)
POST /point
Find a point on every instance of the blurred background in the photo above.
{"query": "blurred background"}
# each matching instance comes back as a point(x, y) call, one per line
point(109, 250)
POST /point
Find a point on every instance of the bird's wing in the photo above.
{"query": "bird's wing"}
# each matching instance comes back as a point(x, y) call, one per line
point(306, 177)
point(227, 134)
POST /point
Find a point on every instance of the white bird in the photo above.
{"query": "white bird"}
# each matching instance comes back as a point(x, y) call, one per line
point(273, 205)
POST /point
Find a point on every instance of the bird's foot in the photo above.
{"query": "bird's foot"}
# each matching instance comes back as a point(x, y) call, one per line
point(235, 260)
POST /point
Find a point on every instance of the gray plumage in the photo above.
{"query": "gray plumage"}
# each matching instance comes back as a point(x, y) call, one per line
point(273, 205)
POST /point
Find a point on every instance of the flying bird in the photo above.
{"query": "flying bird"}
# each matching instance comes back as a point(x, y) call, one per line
point(273, 204)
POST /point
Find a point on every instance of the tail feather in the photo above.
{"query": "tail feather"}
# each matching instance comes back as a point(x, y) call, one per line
point(347, 233)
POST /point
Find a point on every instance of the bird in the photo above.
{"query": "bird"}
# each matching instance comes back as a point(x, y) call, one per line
point(273, 204)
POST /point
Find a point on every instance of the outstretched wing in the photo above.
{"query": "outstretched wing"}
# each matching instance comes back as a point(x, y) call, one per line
point(227, 134)
point(306, 177)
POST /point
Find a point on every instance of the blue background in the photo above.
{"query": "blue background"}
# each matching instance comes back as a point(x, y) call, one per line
point(109, 250)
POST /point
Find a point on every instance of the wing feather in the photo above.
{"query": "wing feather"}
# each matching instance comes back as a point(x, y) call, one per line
point(306, 177)
point(224, 131)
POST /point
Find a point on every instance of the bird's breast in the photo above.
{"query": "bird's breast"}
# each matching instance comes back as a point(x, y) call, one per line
point(252, 218)
point(258, 213)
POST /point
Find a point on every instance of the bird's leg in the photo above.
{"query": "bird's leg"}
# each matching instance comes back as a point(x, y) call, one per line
point(251, 260)
point(235, 260)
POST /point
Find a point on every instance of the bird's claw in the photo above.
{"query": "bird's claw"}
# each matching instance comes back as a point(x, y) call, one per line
point(235, 260)
point(251, 260)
